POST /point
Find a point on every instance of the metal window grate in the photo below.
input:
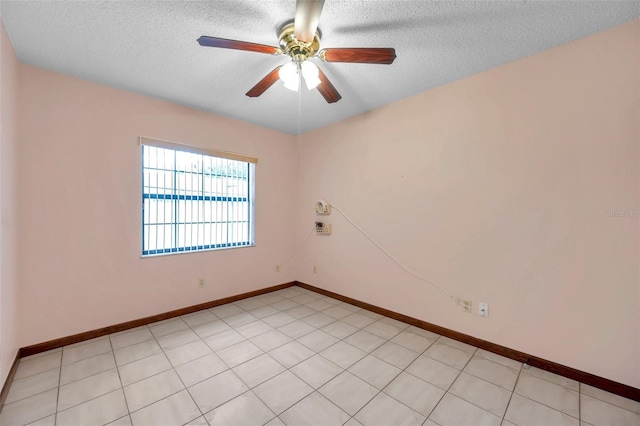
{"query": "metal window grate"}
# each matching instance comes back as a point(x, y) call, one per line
point(194, 202)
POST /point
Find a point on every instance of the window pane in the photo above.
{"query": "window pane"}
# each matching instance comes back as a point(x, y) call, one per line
point(194, 202)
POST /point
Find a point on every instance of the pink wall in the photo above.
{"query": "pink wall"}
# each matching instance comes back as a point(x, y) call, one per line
point(80, 188)
point(8, 205)
point(496, 187)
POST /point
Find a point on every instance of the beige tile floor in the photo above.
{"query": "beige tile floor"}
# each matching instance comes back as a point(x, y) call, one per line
point(294, 357)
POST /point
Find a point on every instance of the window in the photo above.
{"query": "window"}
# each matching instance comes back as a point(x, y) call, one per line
point(195, 199)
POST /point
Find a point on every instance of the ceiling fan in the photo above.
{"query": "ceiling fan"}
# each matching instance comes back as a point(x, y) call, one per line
point(301, 41)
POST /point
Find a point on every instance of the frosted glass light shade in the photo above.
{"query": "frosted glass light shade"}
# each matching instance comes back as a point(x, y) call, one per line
point(310, 74)
point(289, 75)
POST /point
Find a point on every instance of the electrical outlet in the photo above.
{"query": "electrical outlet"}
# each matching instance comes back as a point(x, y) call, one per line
point(323, 228)
point(315, 269)
point(483, 309)
point(201, 283)
point(277, 268)
point(466, 305)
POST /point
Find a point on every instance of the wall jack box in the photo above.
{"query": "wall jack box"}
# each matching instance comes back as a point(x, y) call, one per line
point(323, 228)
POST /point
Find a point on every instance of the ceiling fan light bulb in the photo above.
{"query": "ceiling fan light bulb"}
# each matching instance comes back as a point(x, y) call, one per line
point(289, 75)
point(310, 73)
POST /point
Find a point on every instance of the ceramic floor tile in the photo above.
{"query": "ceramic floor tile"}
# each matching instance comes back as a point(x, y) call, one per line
point(217, 390)
point(507, 362)
point(296, 329)
point(610, 398)
point(318, 320)
point(278, 320)
point(358, 320)
point(524, 412)
point(224, 311)
point(29, 409)
point(291, 354)
point(200, 369)
point(300, 312)
point(33, 385)
point(87, 367)
point(417, 394)
point(422, 332)
point(485, 395)
point(456, 411)
point(343, 354)
point(365, 340)
point(415, 342)
point(258, 370)
point(248, 304)
point(449, 355)
point(317, 340)
point(285, 305)
point(382, 329)
point(210, 328)
point(130, 337)
point(198, 318)
point(143, 368)
point(237, 320)
point(348, 392)
point(89, 350)
point(136, 352)
point(152, 389)
point(600, 413)
point(384, 411)
point(547, 393)
point(34, 365)
point(316, 371)
point(245, 410)
point(91, 387)
point(374, 371)
point(200, 421)
point(275, 422)
point(314, 410)
point(353, 422)
point(239, 353)
point(395, 354)
point(492, 372)
point(122, 421)
point(394, 322)
point(263, 311)
point(223, 340)
point(47, 421)
point(337, 312)
point(551, 377)
point(98, 411)
point(179, 338)
point(456, 344)
point(434, 372)
point(253, 329)
point(186, 353)
point(177, 409)
point(304, 299)
point(170, 326)
point(319, 305)
point(270, 340)
point(282, 391)
point(270, 298)
point(340, 329)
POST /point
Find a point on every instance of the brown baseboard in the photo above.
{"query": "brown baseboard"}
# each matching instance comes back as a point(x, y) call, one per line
point(9, 381)
point(534, 361)
point(64, 341)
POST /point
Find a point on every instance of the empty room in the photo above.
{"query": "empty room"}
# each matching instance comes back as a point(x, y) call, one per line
point(308, 212)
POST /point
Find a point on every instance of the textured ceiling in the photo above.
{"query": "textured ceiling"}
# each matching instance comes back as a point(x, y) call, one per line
point(150, 47)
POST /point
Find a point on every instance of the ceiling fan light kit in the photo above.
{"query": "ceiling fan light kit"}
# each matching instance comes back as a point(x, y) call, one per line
point(300, 41)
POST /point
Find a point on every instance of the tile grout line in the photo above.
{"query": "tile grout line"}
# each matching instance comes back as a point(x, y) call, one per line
point(126, 403)
point(512, 393)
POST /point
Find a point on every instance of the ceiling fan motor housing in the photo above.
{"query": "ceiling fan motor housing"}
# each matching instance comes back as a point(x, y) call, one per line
point(298, 50)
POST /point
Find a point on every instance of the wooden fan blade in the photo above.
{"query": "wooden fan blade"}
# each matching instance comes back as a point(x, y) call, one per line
point(326, 89)
point(364, 55)
point(307, 18)
point(264, 84)
point(235, 44)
